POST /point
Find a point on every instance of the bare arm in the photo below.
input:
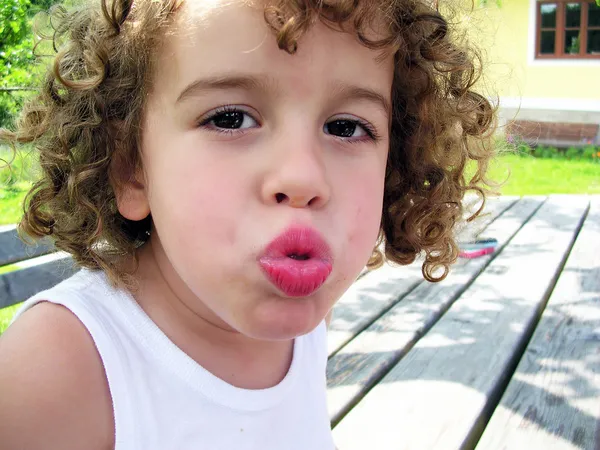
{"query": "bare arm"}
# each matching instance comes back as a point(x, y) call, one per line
point(53, 390)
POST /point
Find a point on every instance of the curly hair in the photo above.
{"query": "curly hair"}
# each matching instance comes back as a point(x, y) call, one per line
point(85, 123)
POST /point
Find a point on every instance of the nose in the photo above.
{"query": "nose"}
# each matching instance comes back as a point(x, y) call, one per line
point(297, 175)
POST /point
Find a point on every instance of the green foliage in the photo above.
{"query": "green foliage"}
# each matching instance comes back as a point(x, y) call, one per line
point(16, 43)
point(591, 152)
point(588, 153)
point(42, 5)
point(20, 167)
point(573, 153)
point(13, 22)
point(10, 105)
point(551, 153)
point(18, 65)
point(575, 46)
point(11, 203)
point(521, 149)
point(18, 171)
point(539, 151)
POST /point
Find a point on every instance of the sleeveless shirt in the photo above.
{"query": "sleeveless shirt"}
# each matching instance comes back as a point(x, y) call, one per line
point(162, 399)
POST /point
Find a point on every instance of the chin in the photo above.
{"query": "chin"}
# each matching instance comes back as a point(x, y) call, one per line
point(285, 319)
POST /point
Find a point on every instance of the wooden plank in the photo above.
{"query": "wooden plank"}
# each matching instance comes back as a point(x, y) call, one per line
point(437, 396)
point(13, 249)
point(494, 207)
point(21, 284)
point(378, 290)
point(360, 364)
point(553, 399)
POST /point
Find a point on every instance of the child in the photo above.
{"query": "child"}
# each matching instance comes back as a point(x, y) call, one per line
point(222, 171)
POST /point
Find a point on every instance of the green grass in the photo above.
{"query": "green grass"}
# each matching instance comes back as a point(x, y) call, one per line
point(15, 181)
point(535, 176)
point(8, 268)
point(17, 174)
point(11, 202)
point(6, 315)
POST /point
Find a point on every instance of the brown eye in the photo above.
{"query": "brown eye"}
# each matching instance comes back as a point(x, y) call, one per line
point(351, 130)
point(343, 128)
point(229, 119)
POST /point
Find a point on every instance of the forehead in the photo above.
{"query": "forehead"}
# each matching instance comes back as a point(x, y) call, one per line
point(214, 37)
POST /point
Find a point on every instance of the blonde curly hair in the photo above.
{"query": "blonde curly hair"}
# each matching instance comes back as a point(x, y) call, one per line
point(85, 123)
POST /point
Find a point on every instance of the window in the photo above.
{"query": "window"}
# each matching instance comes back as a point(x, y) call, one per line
point(568, 30)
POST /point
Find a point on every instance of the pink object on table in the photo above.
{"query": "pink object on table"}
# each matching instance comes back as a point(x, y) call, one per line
point(476, 253)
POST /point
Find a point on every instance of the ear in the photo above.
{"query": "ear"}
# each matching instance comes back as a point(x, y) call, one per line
point(132, 198)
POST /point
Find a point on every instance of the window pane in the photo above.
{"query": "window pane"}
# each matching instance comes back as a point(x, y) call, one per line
point(572, 42)
point(548, 15)
point(547, 42)
point(594, 15)
point(593, 44)
point(573, 15)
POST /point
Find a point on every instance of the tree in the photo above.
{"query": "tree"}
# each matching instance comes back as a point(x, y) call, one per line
point(18, 69)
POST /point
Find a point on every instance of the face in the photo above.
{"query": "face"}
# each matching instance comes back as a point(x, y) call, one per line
point(242, 142)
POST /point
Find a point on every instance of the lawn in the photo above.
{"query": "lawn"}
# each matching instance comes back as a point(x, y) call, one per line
point(11, 202)
point(6, 315)
point(535, 176)
point(17, 173)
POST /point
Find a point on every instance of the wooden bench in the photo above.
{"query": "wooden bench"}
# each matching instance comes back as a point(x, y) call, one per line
point(37, 267)
point(503, 354)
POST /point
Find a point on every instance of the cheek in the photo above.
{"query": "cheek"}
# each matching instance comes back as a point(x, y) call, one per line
point(365, 221)
point(363, 215)
point(194, 197)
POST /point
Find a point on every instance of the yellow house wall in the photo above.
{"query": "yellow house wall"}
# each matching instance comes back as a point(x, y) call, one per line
point(502, 34)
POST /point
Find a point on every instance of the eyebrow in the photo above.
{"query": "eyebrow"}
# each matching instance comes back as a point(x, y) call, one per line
point(248, 83)
point(352, 92)
point(242, 82)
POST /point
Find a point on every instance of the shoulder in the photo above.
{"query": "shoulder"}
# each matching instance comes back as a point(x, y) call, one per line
point(53, 389)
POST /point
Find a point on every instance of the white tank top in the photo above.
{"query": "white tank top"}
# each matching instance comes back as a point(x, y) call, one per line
point(162, 399)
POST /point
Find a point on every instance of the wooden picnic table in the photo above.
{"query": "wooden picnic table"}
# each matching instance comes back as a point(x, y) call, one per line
point(502, 354)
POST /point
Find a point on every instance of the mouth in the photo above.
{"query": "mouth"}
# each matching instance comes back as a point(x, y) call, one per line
point(301, 257)
point(297, 262)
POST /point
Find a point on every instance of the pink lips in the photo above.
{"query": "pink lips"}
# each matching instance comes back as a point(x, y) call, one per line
point(297, 262)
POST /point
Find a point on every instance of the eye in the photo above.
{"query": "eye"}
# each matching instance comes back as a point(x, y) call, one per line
point(228, 119)
point(350, 128)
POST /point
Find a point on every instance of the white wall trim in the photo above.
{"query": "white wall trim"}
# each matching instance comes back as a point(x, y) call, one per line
point(531, 61)
point(552, 104)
